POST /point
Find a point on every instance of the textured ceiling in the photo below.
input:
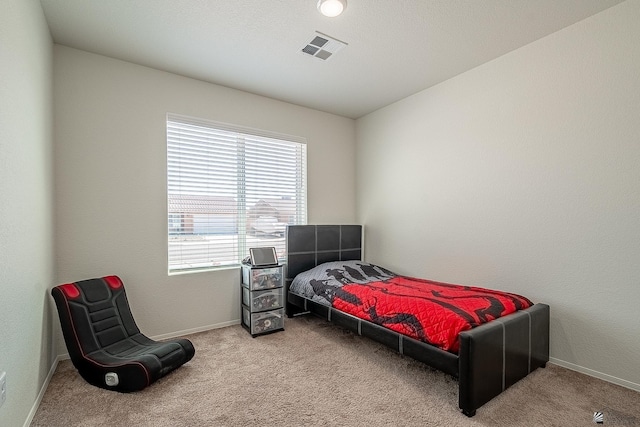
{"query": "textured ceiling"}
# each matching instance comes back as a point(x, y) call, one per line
point(395, 47)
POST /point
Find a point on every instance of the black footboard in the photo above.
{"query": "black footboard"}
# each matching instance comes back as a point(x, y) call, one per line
point(497, 354)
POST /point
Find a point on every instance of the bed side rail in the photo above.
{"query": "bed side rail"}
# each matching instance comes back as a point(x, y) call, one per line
point(432, 356)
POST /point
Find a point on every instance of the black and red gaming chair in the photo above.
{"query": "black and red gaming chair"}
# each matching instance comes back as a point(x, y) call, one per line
point(104, 342)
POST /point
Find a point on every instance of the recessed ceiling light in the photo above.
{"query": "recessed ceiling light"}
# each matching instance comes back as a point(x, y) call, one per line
point(331, 8)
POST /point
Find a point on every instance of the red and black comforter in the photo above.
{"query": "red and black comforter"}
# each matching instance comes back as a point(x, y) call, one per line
point(425, 310)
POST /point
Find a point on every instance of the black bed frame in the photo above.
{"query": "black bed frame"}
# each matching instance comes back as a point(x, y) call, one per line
point(492, 356)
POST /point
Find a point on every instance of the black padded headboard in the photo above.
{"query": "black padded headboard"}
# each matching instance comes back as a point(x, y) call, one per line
point(312, 245)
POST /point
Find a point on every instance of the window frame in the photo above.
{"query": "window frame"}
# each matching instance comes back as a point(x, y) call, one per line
point(259, 139)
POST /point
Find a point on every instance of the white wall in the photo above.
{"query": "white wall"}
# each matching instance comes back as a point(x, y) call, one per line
point(524, 175)
point(26, 206)
point(110, 163)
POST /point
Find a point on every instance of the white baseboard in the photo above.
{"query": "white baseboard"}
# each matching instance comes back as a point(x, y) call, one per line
point(195, 330)
point(43, 389)
point(65, 356)
point(595, 374)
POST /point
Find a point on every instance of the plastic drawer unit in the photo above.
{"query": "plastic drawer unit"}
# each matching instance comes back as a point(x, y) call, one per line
point(262, 299)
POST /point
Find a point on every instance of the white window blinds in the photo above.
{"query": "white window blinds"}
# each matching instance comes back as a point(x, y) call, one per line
point(229, 189)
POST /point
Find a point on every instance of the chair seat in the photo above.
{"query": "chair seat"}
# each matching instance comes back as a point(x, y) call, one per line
point(104, 342)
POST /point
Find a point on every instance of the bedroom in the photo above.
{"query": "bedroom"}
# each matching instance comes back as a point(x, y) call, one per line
point(552, 184)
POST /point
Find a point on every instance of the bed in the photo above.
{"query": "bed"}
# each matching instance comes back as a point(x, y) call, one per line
point(486, 359)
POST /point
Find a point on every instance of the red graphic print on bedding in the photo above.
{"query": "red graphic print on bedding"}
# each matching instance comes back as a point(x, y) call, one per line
point(428, 311)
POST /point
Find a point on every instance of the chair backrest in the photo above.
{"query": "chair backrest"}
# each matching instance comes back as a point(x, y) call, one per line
point(94, 314)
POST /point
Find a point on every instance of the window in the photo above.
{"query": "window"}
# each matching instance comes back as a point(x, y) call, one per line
point(229, 189)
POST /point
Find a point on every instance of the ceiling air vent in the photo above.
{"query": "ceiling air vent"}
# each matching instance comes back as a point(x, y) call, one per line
point(322, 46)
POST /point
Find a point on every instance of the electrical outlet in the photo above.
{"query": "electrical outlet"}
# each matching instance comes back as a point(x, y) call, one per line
point(3, 387)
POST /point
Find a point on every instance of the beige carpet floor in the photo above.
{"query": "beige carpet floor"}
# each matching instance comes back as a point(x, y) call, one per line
point(315, 374)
